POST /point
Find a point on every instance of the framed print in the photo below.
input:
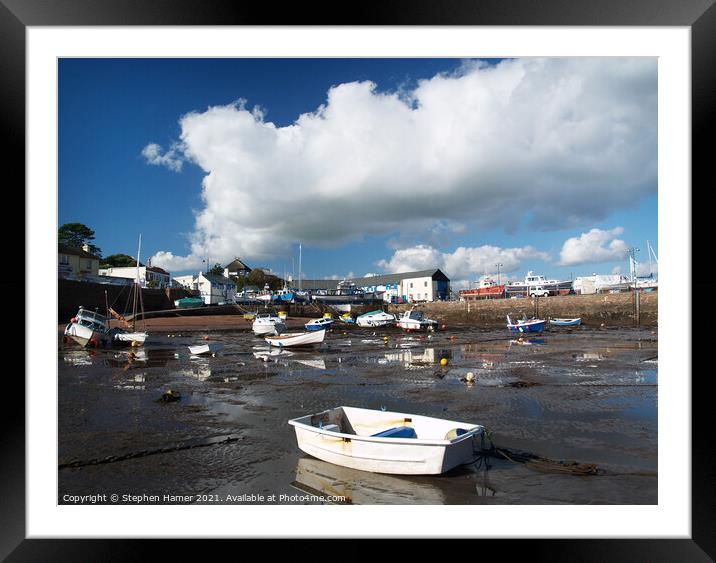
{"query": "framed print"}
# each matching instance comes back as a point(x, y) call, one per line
point(291, 298)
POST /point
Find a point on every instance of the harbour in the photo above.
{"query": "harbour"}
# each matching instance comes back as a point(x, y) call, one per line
point(586, 396)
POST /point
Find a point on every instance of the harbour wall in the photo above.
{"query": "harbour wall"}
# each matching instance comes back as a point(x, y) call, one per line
point(610, 309)
point(71, 294)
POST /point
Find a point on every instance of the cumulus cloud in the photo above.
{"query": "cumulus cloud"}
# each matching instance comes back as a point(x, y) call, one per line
point(171, 159)
point(593, 247)
point(550, 142)
point(463, 263)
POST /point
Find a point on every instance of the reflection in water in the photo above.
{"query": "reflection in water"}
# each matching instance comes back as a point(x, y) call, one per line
point(134, 382)
point(140, 357)
point(407, 357)
point(588, 356)
point(476, 352)
point(79, 357)
point(361, 487)
point(527, 341)
point(200, 368)
point(315, 364)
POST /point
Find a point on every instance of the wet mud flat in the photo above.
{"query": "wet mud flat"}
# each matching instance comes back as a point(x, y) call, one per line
point(587, 395)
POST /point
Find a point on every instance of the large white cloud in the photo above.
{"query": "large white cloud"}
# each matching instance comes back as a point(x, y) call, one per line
point(594, 247)
point(552, 142)
point(463, 264)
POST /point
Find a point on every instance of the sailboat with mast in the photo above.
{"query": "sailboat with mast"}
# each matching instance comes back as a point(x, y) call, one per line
point(130, 335)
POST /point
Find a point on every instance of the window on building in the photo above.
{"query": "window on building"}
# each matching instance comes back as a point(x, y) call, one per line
point(64, 259)
point(89, 264)
point(426, 284)
point(411, 285)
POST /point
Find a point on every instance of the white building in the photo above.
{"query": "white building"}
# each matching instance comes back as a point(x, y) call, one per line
point(601, 283)
point(212, 288)
point(149, 276)
point(406, 287)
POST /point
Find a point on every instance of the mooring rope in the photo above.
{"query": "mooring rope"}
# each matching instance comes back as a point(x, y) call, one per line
point(144, 453)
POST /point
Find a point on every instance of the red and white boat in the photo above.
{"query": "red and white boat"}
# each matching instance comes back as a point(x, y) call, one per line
point(487, 288)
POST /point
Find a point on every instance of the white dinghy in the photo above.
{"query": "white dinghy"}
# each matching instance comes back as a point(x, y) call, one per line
point(386, 442)
point(210, 348)
point(297, 338)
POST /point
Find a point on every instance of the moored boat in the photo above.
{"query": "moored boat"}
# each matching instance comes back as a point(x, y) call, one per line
point(375, 318)
point(565, 322)
point(188, 302)
point(526, 325)
point(532, 281)
point(386, 442)
point(289, 339)
point(319, 324)
point(267, 323)
point(88, 328)
point(416, 320)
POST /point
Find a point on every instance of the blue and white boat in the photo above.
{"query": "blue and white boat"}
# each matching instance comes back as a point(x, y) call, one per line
point(526, 325)
point(565, 322)
point(319, 324)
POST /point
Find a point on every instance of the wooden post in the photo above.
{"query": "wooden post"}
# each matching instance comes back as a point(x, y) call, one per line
point(637, 306)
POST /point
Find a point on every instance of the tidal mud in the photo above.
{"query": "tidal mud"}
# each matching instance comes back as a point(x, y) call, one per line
point(587, 395)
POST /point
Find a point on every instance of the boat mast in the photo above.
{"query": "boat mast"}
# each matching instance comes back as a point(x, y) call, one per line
point(137, 290)
point(299, 266)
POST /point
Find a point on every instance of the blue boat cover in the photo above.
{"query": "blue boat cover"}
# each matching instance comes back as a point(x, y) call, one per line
point(397, 432)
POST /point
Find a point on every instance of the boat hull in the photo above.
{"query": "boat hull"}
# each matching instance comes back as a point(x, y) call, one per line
point(399, 456)
point(128, 338)
point(565, 322)
point(263, 329)
point(527, 327)
point(85, 336)
point(297, 339)
point(414, 325)
point(316, 327)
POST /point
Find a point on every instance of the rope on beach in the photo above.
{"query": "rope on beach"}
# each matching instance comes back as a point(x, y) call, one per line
point(134, 455)
point(530, 460)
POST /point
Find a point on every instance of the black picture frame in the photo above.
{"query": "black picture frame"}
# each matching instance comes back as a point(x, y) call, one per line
point(17, 15)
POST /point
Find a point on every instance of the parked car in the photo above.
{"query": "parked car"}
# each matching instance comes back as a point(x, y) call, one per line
point(539, 292)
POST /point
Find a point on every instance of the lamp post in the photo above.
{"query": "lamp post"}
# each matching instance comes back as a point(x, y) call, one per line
point(498, 272)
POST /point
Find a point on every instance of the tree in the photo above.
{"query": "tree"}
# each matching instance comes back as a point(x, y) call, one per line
point(259, 278)
point(119, 261)
point(217, 270)
point(77, 235)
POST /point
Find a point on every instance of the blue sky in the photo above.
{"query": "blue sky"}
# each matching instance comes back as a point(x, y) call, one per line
point(504, 160)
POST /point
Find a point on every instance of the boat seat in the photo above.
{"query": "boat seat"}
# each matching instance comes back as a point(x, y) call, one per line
point(397, 432)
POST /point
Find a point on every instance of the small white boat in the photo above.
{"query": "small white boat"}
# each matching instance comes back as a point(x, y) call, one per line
point(375, 318)
point(415, 320)
point(319, 324)
point(88, 328)
point(267, 323)
point(386, 442)
point(566, 322)
point(133, 338)
point(297, 338)
point(210, 348)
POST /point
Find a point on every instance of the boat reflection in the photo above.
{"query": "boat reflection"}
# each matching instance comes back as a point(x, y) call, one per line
point(320, 478)
point(407, 357)
point(199, 368)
